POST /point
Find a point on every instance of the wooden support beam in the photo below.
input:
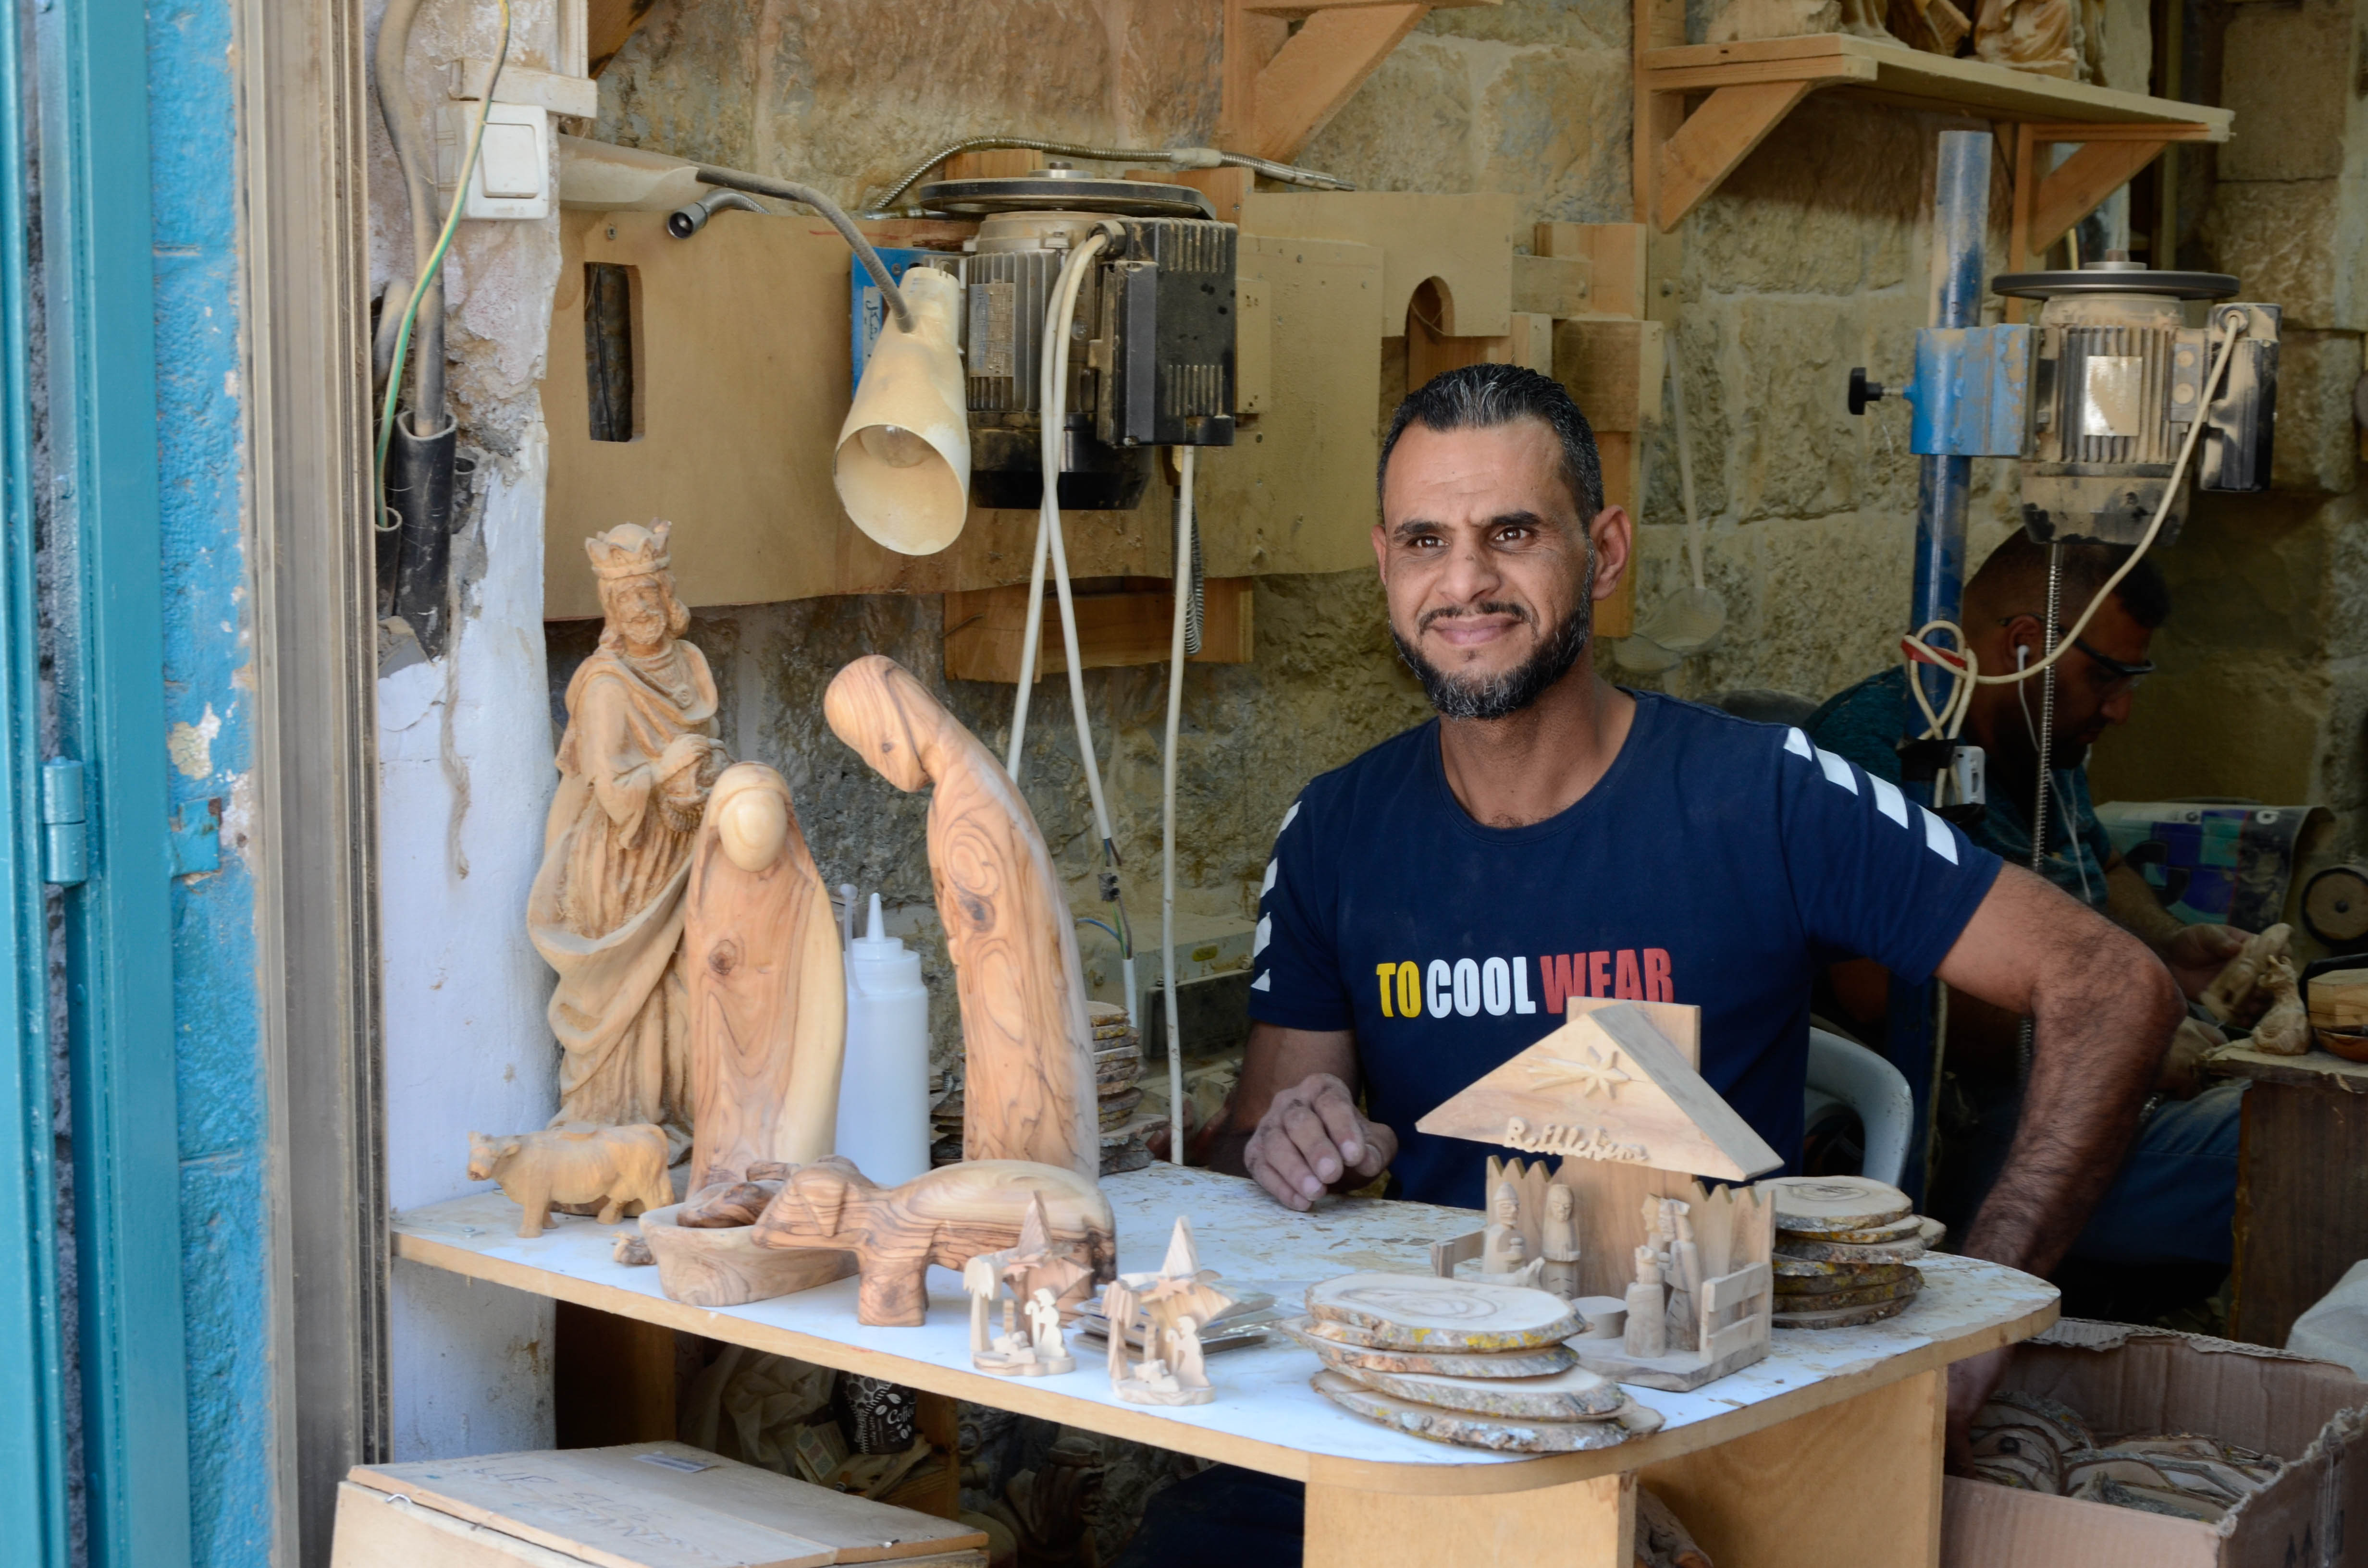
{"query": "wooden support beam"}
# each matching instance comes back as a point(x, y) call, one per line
point(1714, 138)
point(1319, 68)
point(2070, 193)
point(607, 25)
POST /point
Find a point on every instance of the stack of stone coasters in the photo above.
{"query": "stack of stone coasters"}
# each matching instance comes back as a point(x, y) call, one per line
point(1118, 1088)
point(1844, 1250)
point(1462, 1361)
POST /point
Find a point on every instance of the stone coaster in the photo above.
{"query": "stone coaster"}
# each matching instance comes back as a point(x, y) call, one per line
point(1497, 1434)
point(1898, 1229)
point(1906, 1251)
point(1356, 1360)
point(1841, 1301)
point(1817, 1268)
point(1834, 1203)
point(1842, 1317)
point(1788, 1285)
point(1573, 1395)
point(1422, 1311)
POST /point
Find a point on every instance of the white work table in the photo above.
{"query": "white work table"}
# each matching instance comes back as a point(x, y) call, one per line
point(1827, 1451)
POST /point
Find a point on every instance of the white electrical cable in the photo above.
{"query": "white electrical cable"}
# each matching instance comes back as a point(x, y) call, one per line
point(1961, 663)
point(1183, 568)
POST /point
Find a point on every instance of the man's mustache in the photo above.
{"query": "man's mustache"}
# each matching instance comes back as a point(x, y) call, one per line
point(1521, 613)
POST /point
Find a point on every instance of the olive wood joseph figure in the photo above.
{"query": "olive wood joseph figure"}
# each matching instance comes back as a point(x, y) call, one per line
point(1027, 1069)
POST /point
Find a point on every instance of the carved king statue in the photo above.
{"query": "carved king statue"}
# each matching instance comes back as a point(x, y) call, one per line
point(635, 767)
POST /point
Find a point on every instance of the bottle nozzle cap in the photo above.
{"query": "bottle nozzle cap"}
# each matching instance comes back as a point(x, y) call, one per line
point(874, 928)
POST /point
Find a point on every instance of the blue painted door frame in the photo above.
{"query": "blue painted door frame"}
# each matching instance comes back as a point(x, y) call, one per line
point(98, 304)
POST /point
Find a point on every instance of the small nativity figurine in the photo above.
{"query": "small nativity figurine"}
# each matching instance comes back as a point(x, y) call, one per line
point(1561, 1242)
point(1504, 1251)
point(1036, 1274)
point(1166, 1312)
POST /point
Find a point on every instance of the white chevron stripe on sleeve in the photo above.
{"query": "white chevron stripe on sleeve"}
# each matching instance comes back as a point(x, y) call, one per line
point(1260, 982)
point(1937, 837)
point(1798, 743)
point(1888, 799)
point(1837, 770)
point(1265, 935)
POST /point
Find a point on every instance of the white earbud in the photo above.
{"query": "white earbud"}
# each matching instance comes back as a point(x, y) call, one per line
point(2021, 655)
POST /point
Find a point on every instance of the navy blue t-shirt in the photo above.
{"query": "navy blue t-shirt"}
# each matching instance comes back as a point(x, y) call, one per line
point(1717, 862)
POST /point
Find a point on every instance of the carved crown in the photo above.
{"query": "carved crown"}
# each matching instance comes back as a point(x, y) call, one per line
point(629, 549)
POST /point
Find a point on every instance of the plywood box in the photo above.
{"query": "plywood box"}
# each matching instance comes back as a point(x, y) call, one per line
point(643, 1506)
point(2125, 1382)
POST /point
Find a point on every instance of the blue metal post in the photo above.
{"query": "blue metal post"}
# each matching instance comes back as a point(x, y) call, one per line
point(101, 281)
point(33, 1529)
point(1960, 206)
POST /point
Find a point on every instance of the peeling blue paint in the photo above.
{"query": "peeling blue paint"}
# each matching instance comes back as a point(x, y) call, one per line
point(194, 187)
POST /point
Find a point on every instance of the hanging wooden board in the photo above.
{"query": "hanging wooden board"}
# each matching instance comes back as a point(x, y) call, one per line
point(1355, 1360)
point(1417, 1311)
point(1574, 1394)
point(1503, 1435)
point(1826, 1203)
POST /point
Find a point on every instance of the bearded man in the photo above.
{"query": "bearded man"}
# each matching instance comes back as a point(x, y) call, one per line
point(1431, 906)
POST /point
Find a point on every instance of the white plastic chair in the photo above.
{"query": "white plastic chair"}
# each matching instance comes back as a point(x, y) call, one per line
point(1842, 1072)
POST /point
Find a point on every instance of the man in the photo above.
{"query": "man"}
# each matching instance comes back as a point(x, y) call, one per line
point(1431, 904)
point(2176, 1194)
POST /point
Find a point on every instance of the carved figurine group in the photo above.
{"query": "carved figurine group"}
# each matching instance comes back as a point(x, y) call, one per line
point(1165, 1314)
point(701, 1005)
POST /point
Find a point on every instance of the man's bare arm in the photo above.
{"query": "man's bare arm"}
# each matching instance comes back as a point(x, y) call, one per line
point(2104, 1009)
point(1294, 1125)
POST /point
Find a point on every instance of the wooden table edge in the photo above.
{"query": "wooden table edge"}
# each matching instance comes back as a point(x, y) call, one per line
point(1025, 1397)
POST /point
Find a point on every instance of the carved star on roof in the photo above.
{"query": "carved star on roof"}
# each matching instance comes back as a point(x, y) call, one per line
point(1596, 1076)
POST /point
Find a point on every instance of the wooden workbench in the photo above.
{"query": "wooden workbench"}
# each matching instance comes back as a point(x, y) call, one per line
point(2302, 1185)
point(1827, 1451)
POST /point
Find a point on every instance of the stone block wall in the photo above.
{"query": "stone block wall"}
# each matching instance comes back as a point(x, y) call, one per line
point(2264, 682)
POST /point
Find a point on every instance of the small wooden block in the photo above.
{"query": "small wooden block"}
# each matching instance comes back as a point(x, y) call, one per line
point(1843, 1278)
point(1830, 1203)
point(1576, 1394)
point(1355, 1360)
point(1498, 1434)
point(1898, 1229)
point(1837, 1300)
point(1906, 1251)
point(1843, 1317)
point(1418, 1312)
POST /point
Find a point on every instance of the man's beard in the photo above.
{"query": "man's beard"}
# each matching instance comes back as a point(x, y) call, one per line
point(1498, 697)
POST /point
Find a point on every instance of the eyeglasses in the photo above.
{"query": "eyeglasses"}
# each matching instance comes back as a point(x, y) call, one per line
point(2125, 675)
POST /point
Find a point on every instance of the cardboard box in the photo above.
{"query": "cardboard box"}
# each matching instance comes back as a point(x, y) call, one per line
point(2126, 1380)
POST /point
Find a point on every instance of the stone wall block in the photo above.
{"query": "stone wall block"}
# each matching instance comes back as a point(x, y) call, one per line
point(2263, 718)
point(2296, 243)
point(2287, 71)
point(1798, 452)
point(1551, 126)
point(1602, 24)
point(1409, 127)
point(1823, 206)
point(2317, 447)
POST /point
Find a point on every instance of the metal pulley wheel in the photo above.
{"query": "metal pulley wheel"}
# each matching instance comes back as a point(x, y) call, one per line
point(2335, 906)
point(1064, 190)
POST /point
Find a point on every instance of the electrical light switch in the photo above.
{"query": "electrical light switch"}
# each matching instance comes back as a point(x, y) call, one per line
point(512, 162)
point(512, 178)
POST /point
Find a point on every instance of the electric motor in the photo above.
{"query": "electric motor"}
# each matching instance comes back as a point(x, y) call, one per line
point(1151, 357)
point(2117, 382)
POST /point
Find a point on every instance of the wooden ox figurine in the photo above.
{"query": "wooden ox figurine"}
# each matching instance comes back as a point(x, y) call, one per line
point(622, 1169)
point(946, 1217)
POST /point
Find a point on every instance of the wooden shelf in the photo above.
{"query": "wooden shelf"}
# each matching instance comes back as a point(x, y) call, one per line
point(1747, 89)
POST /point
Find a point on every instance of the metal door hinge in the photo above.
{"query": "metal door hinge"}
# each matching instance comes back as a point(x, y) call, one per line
point(66, 834)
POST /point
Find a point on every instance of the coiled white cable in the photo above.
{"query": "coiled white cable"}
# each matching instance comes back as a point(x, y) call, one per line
point(1961, 661)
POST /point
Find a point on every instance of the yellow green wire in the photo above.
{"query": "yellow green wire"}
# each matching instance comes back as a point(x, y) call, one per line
point(427, 275)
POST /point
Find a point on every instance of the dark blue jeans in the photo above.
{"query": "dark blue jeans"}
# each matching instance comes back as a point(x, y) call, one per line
point(1223, 1517)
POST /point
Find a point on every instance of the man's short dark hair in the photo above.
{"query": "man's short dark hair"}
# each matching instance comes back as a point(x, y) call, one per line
point(1482, 397)
point(2013, 581)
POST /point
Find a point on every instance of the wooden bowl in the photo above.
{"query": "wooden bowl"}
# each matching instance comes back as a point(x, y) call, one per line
point(2349, 1044)
point(725, 1267)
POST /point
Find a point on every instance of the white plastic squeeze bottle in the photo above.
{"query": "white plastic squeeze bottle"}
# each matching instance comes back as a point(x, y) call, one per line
point(884, 1091)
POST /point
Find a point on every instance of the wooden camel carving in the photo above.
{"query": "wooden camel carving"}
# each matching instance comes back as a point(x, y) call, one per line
point(1028, 1085)
point(768, 989)
point(946, 1217)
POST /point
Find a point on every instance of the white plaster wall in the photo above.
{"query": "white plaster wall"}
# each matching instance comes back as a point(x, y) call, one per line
point(467, 740)
point(467, 1047)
